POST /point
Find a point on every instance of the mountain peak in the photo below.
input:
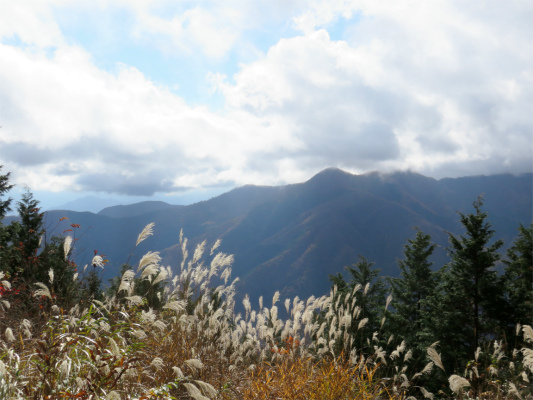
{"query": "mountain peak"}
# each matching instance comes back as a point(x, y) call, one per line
point(331, 173)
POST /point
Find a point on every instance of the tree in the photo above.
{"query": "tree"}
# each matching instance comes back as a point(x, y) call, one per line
point(468, 306)
point(370, 298)
point(27, 259)
point(4, 188)
point(416, 282)
point(519, 277)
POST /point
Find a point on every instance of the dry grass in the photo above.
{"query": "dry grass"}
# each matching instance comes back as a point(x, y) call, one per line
point(309, 379)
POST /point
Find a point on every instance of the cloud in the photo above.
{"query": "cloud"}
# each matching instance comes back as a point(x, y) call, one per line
point(25, 154)
point(435, 75)
point(146, 184)
point(442, 88)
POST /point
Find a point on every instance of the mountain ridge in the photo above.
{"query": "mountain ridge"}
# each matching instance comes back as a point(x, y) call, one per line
point(293, 237)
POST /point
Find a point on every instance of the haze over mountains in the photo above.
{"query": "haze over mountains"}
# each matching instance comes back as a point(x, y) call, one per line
point(291, 238)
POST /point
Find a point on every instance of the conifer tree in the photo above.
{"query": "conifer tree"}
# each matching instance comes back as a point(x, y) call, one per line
point(416, 282)
point(468, 307)
point(370, 297)
point(519, 277)
point(4, 188)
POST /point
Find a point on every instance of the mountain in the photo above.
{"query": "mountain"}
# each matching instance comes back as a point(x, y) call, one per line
point(87, 204)
point(290, 238)
point(133, 210)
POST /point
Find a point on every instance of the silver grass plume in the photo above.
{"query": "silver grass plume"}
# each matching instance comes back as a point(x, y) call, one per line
point(9, 335)
point(134, 300)
point(207, 389)
point(389, 299)
point(150, 258)
point(528, 333)
point(426, 394)
point(528, 358)
point(457, 383)
point(215, 246)
point(67, 243)
point(194, 364)
point(97, 261)
point(163, 274)
point(149, 271)
point(126, 281)
point(435, 357)
point(275, 298)
point(43, 291)
point(198, 252)
point(514, 390)
point(194, 392)
point(157, 363)
point(146, 232)
point(367, 287)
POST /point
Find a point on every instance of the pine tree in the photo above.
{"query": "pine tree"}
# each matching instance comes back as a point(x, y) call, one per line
point(4, 188)
point(370, 297)
point(416, 282)
point(27, 260)
point(519, 277)
point(468, 306)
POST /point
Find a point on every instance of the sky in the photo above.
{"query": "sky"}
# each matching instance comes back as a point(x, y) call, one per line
point(131, 100)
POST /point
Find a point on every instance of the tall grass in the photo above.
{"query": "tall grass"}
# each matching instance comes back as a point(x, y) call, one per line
point(197, 347)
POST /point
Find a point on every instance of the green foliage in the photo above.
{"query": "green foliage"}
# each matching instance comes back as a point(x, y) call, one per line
point(417, 281)
point(519, 276)
point(5, 205)
point(27, 257)
point(368, 289)
point(468, 307)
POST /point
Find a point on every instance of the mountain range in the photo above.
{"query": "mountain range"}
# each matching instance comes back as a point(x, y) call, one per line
point(291, 238)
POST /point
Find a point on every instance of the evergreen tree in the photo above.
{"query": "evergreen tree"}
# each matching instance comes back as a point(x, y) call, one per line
point(26, 237)
point(27, 260)
point(467, 308)
point(519, 277)
point(416, 282)
point(370, 298)
point(4, 188)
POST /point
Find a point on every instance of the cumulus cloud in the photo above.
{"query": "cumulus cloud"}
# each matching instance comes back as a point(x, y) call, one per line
point(443, 88)
point(441, 77)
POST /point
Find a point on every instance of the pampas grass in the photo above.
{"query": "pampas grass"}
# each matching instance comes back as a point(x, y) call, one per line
point(196, 346)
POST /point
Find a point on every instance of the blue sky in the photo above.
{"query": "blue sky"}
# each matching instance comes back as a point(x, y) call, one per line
point(179, 100)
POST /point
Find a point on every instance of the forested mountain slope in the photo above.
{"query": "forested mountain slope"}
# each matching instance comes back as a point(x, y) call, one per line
point(292, 237)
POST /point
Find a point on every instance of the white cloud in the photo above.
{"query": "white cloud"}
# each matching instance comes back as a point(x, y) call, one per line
point(453, 87)
point(444, 88)
point(31, 21)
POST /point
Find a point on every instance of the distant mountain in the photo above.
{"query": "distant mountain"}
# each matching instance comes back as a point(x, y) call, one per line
point(134, 210)
point(290, 238)
point(87, 204)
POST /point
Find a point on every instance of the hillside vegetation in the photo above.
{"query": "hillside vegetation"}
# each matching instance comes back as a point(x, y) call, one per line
point(463, 331)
